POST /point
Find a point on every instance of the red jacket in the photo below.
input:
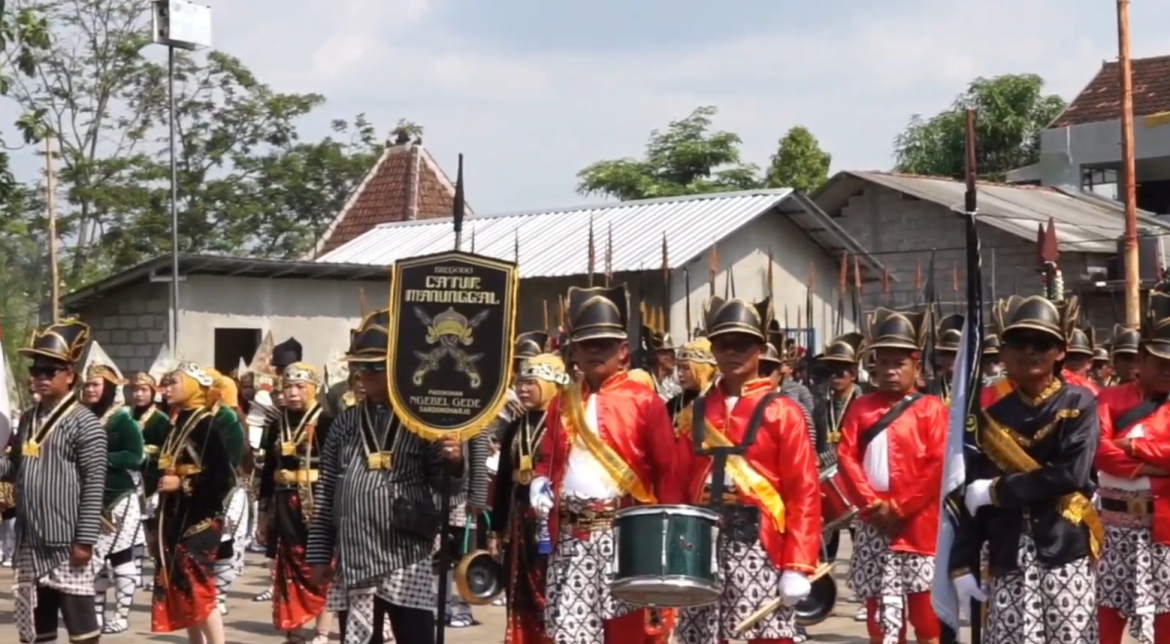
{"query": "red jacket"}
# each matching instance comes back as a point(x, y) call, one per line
point(917, 448)
point(782, 455)
point(1080, 381)
point(1152, 448)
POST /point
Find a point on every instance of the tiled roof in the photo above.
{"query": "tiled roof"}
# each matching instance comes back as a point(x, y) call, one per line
point(406, 184)
point(1085, 222)
point(1101, 98)
point(553, 243)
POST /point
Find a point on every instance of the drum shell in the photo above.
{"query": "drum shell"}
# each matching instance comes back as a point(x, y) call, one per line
point(479, 578)
point(836, 510)
point(818, 606)
point(665, 556)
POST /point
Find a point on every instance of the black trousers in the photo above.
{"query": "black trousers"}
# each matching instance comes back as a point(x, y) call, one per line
point(76, 611)
point(409, 625)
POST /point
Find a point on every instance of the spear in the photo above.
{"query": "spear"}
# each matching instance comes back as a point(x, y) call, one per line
point(886, 285)
point(918, 282)
point(771, 291)
point(516, 247)
point(842, 284)
point(473, 240)
point(665, 283)
point(687, 286)
point(609, 256)
point(713, 267)
point(592, 253)
point(458, 208)
point(808, 306)
point(955, 284)
point(856, 293)
point(729, 285)
point(547, 328)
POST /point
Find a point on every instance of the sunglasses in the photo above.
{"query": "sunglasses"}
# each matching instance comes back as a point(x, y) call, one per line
point(839, 372)
point(1038, 343)
point(44, 371)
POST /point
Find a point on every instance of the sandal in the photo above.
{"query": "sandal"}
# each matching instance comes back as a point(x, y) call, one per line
point(265, 596)
point(462, 620)
point(322, 638)
point(115, 626)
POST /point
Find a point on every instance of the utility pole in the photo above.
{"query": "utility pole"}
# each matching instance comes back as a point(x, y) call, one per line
point(1133, 277)
point(51, 216)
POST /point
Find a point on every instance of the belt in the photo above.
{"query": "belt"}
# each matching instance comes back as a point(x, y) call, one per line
point(588, 519)
point(151, 450)
point(729, 498)
point(296, 477)
point(1138, 506)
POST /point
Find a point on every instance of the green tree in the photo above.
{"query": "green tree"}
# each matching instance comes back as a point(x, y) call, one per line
point(687, 158)
point(1010, 113)
point(799, 162)
point(23, 34)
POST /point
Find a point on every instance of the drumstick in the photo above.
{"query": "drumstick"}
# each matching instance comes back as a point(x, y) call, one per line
point(773, 606)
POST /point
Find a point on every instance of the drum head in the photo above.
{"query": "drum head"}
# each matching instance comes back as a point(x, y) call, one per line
point(665, 592)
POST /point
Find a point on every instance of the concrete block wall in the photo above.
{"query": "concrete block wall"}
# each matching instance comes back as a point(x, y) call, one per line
point(901, 231)
point(131, 326)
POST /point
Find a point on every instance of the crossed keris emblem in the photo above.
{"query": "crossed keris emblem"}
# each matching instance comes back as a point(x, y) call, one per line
point(452, 332)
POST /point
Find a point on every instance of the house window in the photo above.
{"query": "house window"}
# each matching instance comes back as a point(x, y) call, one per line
point(233, 344)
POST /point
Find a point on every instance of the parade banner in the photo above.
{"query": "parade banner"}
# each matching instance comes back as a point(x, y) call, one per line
point(449, 358)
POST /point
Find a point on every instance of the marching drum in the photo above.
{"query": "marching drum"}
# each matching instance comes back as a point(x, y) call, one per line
point(665, 556)
point(836, 510)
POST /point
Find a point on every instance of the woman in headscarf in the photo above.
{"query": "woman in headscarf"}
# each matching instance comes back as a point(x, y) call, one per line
point(512, 519)
point(196, 475)
point(295, 441)
point(696, 371)
point(224, 404)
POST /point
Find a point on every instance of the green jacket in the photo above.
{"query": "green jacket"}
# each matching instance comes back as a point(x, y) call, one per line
point(154, 425)
point(228, 423)
point(126, 454)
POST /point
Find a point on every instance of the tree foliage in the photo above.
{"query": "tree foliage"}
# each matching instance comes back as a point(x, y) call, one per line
point(1010, 113)
point(685, 159)
point(799, 162)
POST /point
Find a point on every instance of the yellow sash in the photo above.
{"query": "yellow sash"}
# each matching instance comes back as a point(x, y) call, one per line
point(997, 442)
point(747, 478)
point(577, 426)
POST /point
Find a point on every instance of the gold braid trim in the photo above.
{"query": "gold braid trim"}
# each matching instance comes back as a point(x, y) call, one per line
point(997, 442)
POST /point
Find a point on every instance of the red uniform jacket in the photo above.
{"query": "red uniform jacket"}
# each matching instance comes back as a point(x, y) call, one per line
point(1153, 448)
point(634, 422)
point(1073, 379)
point(782, 454)
point(917, 448)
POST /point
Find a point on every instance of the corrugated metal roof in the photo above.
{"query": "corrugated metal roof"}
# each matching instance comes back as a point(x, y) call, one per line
point(555, 243)
point(1085, 223)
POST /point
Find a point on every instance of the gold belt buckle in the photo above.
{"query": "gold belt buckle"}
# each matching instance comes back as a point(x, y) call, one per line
point(1137, 506)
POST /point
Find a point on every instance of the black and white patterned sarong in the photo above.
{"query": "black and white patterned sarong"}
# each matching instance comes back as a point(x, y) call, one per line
point(410, 587)
point(121, 530)
point(1043, 605)
point(1133, 578)
point(235, 518)
point(876, 571)
point(750, 581)
point(65, 578)
point(580, 573)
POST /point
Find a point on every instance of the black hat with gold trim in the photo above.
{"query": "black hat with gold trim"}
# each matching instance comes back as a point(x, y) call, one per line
point(598, 313)
point(287, 353)
point(63, 341)
point(657, 340)
point(771, 355)
point(529, 345)
point(723, 317)
point(1101, 354)
point(1156, 326)
point(369, 342)
point(889, 329)
point(1125, 340)
point(1036, 314)
point(844, 348)
point(991, 346)
point(1081, 342)
point(950, 333)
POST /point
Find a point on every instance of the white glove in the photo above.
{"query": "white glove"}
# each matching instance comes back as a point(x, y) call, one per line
point(967, 588)
point(540, 496)
point(978, 495)
point(794, 586)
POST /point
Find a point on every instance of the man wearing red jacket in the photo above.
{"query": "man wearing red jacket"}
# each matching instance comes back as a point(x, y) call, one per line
point(772, 520)
point(1133, 466)
point(891, 455)
point(609, 443)
point(1078, 360)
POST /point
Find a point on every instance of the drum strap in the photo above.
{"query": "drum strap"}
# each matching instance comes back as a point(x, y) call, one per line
point(1137, 414)
point(887, 419)
point(699, 424)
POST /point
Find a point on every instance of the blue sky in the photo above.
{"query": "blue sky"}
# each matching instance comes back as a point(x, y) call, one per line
point(532, 91)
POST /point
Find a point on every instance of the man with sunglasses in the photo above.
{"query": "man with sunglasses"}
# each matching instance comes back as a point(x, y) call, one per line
point(891, 461)
point(377, 511)
point(771, 502)
point(1030, 486)
point(1133, 463)
point(609, 443)
point(59, 468)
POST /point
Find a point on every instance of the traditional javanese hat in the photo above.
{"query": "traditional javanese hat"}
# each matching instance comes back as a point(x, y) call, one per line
point(372, 338)
point(1081, 342)
point(991, 346)
point(598, 313)
point(1035, 313)
point(1100, 354)
point(1125, 340)
point(530, 344)
point(63, 341)
point(723, 317)
point(301, 372)
point(897, 330)
point(950, 333)
point(98, 364)
point(844, 349)
point(286, 353)
point(1156, 326)
point(771, 355)
point(657, 340)
point(697, 351)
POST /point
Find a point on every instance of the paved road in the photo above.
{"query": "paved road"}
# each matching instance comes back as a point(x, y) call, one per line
point(249, 623)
